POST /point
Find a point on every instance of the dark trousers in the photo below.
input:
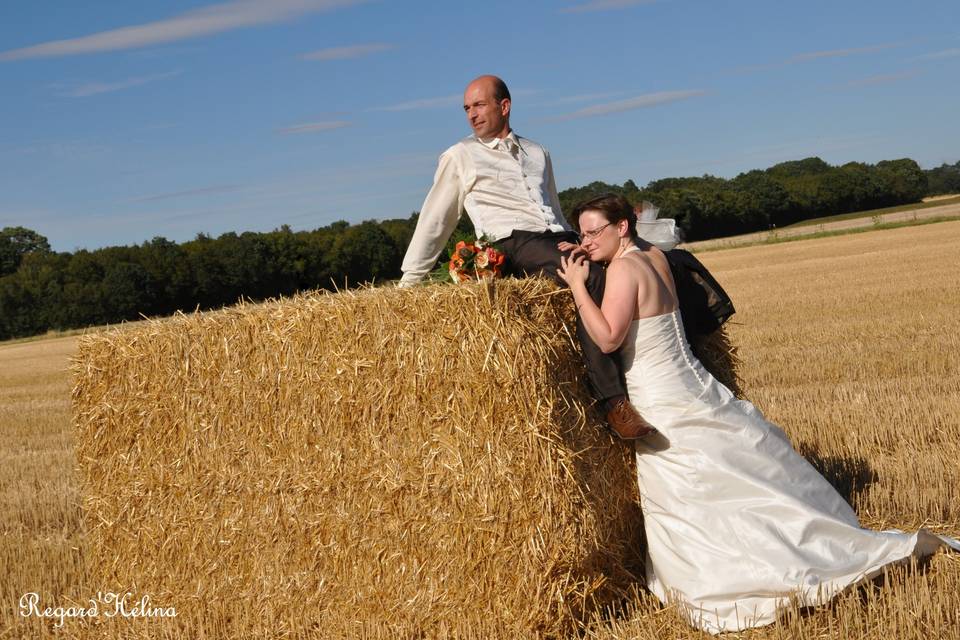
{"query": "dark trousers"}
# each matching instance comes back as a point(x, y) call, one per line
point(531, 253)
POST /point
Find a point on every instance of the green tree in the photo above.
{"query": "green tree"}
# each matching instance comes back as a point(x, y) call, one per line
point(943, 179)
point(569, 198)
point(16, 242)
point(401, 229)
point(905, 180)
point(364, 253)
point(796, 168)
point(767, 201)
point(126, 291)
point(168, 268)
point(18, 310)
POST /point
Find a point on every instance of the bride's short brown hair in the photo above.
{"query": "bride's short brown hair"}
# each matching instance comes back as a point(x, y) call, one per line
point(613, 207)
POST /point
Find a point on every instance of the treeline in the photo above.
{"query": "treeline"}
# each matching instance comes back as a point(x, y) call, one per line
point(42, 290)
point(944, 179)
point(710, 207)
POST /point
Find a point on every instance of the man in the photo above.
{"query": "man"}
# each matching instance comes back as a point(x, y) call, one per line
point(505, 184)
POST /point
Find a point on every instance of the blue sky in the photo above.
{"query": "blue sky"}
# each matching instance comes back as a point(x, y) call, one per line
point(121, 121)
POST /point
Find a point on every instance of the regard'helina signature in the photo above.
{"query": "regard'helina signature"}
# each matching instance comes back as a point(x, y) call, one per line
point(107, 604)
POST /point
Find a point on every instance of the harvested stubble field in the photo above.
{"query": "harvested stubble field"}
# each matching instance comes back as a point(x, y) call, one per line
point(849, 343)
point(930, 211)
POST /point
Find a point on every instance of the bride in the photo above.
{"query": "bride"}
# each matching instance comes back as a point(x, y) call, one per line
point(738, 524)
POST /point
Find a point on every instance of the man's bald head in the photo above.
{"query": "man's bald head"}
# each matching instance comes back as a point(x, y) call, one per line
point(486, 102)
point(494, 84)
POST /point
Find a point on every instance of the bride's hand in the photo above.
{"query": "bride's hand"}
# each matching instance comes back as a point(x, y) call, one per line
point(573, 269)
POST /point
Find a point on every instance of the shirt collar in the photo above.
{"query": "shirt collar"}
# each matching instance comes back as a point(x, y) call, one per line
point(493, 143)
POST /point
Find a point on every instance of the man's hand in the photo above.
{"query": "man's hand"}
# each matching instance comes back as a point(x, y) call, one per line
point(574, 249)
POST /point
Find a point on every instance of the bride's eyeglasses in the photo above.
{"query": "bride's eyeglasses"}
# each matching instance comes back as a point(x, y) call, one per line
point(593, 234)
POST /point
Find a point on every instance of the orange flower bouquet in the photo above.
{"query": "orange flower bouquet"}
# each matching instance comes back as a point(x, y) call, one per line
point(475, 261)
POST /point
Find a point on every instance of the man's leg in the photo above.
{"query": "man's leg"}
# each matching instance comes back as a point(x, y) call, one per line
point(530, 254)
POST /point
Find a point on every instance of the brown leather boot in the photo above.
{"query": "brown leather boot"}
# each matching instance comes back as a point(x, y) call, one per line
point(627, 423)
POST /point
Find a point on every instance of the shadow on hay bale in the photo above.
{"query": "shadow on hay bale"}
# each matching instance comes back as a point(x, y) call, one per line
point(415, 462)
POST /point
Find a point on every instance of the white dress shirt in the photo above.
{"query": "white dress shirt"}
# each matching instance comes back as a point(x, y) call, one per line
point(503, 184)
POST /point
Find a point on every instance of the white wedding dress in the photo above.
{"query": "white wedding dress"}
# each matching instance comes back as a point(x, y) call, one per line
point(738, 524)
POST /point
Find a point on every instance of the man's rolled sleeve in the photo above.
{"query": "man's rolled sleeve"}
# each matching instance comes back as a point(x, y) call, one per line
point(438, 217)
point(552, 193)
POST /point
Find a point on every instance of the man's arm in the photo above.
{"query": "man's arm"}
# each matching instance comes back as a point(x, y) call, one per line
point(552, 192)
point(438, 217)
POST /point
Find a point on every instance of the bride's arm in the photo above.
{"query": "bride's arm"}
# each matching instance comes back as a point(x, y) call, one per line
point(607, 325)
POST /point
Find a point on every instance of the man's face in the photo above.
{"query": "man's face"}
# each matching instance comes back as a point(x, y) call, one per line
point(487, 117)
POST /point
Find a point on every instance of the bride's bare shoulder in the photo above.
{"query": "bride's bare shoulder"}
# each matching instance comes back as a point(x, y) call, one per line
point(622, 266)
point(634, 265)
point(658, 259)
point(654, 253)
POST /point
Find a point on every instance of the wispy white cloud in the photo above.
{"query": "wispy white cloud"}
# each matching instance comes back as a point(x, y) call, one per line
point(840, 53)
point(95, 88)
point(65, 150)
point(315, 127)
point(424, 103)
point(445, 102)
point(217, 18)
point(588, 97)
point(886, 78)
point(604, 5)
point(220, 188)
point(938, 55)
point(166, 52)
point(816, 55)
point(343, 53)
point(630, 104)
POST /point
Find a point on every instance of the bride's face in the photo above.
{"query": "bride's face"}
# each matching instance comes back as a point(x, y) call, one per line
point(599, 237)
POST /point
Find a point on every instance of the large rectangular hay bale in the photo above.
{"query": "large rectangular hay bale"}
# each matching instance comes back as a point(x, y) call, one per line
point(395, 462)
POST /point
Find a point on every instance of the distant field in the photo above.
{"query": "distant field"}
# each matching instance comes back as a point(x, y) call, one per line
point(850, 343)
point(939, 210)
point(917, 206)
point(53, 334)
